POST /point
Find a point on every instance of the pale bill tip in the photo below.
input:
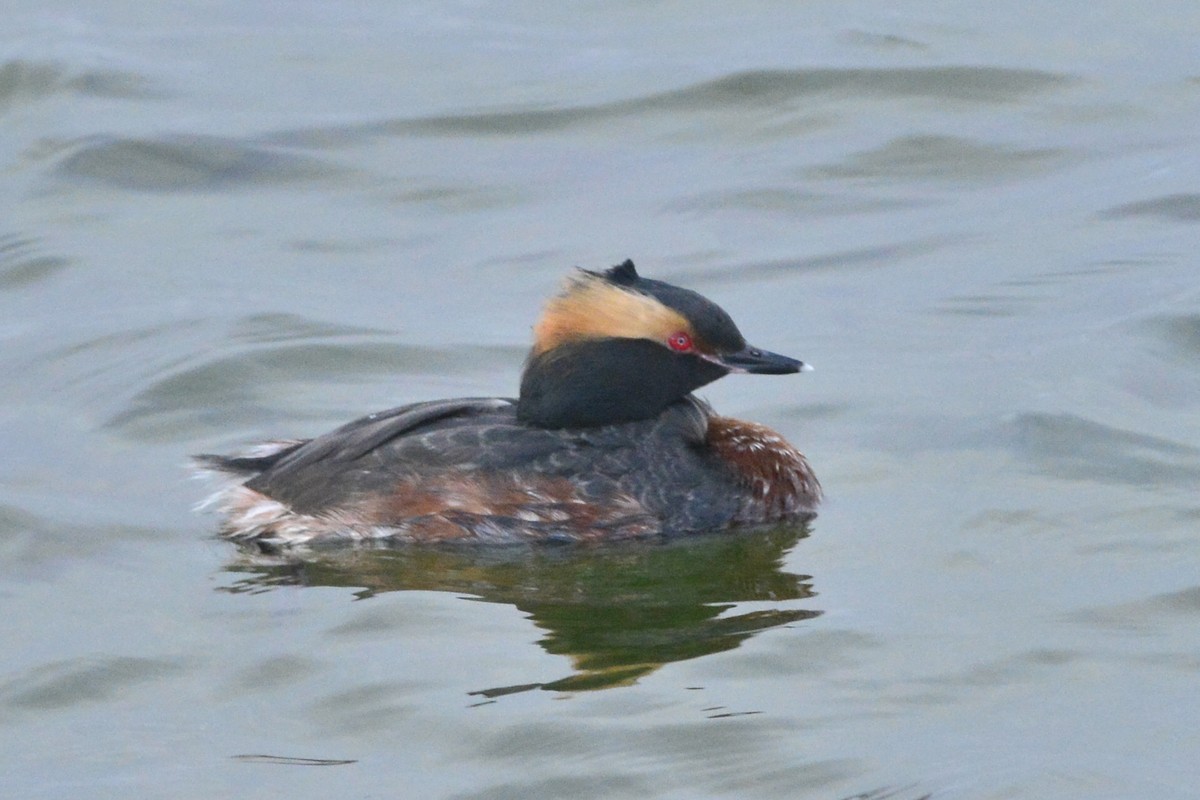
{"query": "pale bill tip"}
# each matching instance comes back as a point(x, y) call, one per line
point(806, 367)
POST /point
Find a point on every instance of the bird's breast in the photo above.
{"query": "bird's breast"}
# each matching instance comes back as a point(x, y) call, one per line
point(776, 477)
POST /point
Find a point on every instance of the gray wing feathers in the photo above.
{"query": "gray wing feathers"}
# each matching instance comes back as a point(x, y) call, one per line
point(356, 439)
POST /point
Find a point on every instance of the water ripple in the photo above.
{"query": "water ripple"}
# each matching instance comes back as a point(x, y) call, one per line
point(1181, 332)
point(21, 263)
point(67, 683)
point(189, 163)
point(737, 92)
point(1171, 207)
point(244, 387)
point(861, 257)
point(36, 545)
point(279, 327)
point(943, 158)
point(972, 84)
point(28, 81)
point(1068, 446)
point(1146, 615)
point(790, 202)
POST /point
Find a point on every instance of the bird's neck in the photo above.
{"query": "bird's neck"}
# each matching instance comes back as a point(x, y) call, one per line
point(605, 381)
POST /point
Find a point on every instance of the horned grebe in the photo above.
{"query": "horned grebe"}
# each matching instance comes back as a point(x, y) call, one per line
point(605, 441)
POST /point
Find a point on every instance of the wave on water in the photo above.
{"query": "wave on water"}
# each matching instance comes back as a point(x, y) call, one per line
point(731, 93)
point(189, 163)
point(25, 81)
point(22, 262)
point(1172, 207)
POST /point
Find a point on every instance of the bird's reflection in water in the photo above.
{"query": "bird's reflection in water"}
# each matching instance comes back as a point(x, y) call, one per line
point(618, 611)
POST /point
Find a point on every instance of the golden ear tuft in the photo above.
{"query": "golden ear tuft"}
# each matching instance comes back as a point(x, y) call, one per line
point(590, 307)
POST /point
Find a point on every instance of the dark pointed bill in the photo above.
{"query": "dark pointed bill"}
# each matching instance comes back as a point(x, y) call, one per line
point(761, 362)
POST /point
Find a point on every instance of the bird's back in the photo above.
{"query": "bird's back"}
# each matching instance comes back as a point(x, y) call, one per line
point(468, 469)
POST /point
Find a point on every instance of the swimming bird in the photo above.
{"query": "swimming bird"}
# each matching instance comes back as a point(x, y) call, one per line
point(605, 441)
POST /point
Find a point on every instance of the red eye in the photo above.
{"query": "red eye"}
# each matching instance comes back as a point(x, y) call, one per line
point(680, 342)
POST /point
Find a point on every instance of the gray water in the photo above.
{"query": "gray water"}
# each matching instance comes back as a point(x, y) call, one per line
point(228, 221)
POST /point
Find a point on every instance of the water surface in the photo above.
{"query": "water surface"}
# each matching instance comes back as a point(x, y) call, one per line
point(230, 222)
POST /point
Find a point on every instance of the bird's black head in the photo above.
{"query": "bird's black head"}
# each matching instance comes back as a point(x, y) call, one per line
point(617, 347)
